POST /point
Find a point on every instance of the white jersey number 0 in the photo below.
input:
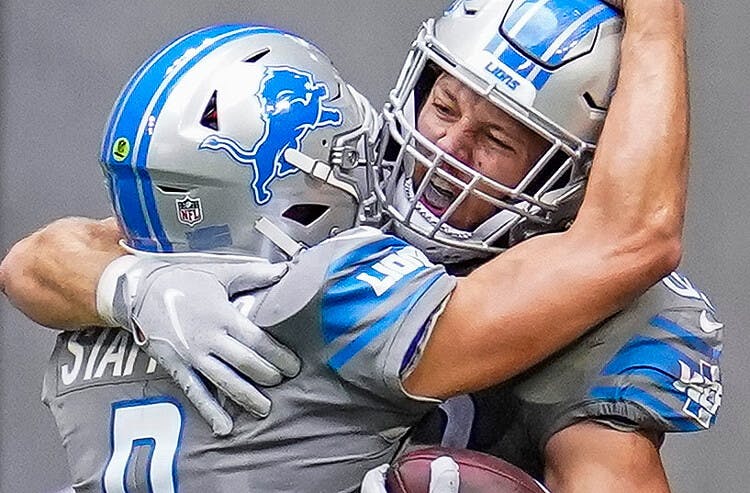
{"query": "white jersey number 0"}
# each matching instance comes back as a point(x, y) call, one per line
point(153, 423)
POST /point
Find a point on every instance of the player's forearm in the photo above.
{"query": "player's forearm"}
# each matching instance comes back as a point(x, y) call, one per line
point(519, 308)
point(52, 275)
point(550, 289)
point(589, 458)
point(638, 182)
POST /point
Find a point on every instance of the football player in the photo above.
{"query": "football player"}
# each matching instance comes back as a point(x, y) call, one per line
point(232, 141)
point(596, 413)
point(437, 389)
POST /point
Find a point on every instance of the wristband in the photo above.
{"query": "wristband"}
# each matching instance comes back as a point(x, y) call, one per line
point(108, 287)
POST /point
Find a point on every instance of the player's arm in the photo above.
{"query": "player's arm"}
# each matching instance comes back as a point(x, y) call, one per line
point(542, 294)
point(52, 275)
point(585, 456)
point(73, 273)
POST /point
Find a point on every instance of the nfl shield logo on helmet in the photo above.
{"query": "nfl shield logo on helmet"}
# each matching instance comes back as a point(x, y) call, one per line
point(189, 211)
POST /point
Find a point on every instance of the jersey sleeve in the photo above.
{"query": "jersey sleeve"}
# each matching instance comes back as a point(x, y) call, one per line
point(654, 367)
point(376, 299)
point(378, 310)
point(667, 379)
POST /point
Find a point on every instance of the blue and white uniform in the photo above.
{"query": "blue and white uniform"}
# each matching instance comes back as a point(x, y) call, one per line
point(355, 308)
point(653, 368)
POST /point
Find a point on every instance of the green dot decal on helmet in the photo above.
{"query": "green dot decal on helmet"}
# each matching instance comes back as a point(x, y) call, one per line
point(121, 149)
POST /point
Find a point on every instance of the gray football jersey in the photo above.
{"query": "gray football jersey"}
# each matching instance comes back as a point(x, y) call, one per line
point(355, 308)
point(653, 367)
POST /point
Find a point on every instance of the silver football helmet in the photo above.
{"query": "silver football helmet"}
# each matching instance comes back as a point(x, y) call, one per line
point(237, 139)
point(551, 65)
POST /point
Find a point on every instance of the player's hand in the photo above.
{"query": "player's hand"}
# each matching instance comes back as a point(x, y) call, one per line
point(180, 314)
point(443, 477)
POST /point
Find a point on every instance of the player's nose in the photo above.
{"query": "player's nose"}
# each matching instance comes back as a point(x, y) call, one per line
point(457, 140)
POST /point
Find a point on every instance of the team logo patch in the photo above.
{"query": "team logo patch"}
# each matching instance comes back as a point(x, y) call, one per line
point(293, 105)
point(189, 210)
point(703, 390)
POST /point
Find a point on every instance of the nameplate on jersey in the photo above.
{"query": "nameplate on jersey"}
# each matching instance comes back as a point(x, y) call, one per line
point(100, 357)
point(384, 274)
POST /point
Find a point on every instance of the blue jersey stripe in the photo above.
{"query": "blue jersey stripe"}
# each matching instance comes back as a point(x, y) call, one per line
point(350, 350)
point(359, 255)
point(348, 301)
point(643, 354)
point(658, 362)
point(693, 341)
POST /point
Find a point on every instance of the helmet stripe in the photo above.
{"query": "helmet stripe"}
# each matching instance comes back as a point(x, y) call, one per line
point(175, 72)
point(140, 106)
point(127, 189)
point(127, 91)
point(544, 32)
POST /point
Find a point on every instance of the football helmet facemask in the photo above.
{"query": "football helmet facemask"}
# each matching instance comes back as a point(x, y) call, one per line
point(550, 65)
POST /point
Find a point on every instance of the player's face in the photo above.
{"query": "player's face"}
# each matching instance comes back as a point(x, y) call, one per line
point(482, 136)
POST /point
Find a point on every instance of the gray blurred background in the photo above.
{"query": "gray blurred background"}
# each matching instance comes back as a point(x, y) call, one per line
point(63, 63)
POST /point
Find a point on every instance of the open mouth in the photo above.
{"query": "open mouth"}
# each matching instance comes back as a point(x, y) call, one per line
point(438, 195)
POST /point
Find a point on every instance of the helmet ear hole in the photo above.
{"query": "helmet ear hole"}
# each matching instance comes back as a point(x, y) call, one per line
point(171, 189)
point(305, 214)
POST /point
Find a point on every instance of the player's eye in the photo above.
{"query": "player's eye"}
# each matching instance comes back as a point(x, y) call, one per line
point(500, 142)
point(443, 109)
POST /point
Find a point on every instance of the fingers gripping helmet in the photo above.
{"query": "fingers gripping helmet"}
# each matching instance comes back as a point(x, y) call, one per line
point(230, 128)
point(550, 65)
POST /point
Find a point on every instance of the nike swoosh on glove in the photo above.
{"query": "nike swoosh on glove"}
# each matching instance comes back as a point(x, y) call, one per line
point(180, 314)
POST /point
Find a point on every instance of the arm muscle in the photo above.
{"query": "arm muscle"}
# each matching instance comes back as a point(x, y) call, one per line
point(52, 275)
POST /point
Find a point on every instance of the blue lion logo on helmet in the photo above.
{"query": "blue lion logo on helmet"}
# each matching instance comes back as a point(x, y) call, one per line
point(292, 106)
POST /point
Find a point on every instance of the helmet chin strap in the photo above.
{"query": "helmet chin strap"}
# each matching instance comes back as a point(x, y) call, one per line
point(318, 169)
point(278, 237)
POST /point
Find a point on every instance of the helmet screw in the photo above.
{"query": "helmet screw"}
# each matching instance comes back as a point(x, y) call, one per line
point(350, 159)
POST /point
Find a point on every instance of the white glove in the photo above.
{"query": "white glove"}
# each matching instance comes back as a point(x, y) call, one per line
point(443, 477)
point(180, 314)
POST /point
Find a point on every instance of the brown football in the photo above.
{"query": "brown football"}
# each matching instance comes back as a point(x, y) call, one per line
point(478, 473)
